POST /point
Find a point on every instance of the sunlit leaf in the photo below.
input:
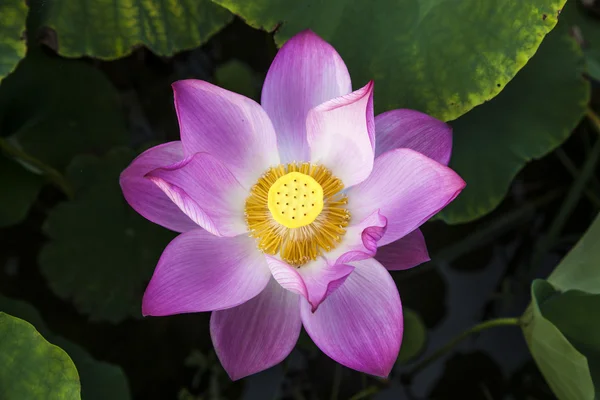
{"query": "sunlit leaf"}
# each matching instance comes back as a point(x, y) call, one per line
point(13, 14)
point(108, 29)
point(534, 114)
point(99, 380)
point(441, 57)
point(32, 368)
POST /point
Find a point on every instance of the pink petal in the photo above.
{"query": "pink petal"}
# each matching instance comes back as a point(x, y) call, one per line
point(323, 279)
point(313, 281)
point(257, 334)
point(205, 190)
point(341, 135)
point(318, 279)
point(234, 129)
point(360, 325)
point(360, 241)
point(202, 272)
point(306, 72)
point(408, 188)
point(287, 276)
point(413, 130)
point(147, 199)
point(404, 253)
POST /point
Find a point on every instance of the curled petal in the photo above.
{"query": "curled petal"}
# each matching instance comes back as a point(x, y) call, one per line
point(306, 72)
point(257, 334)
point(313, 281)
point(202, 272)
point(232, 128)
point(360, 241)
point(404, 253)
point(408, 188)
point(205, 190)
point(413, 130)
point(322, 279)
point(360, 325)
point(145, 197)
point(341, 135)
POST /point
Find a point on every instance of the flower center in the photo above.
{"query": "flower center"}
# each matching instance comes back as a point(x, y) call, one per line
point(295, 200)
point(297, 211)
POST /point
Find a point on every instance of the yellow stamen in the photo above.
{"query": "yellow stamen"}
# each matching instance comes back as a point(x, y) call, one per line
point(297, 210)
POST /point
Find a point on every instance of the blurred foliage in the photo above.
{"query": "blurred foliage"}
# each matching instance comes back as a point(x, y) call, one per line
point(414, 336)
point(25, 187)
point(101, 253)
point(238, 77)
point(32, 368)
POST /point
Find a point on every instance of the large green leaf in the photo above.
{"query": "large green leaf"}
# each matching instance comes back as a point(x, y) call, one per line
point(13, 14)
point(101, 252)
point(56, 108)
point(21, 188)
point(32, 368)
point(111, 29)
point(99, 380)
point(564, 367)
point(438, 56)
point(574, 314)
point(534, 114)
point(560, 324)
point(580, 269)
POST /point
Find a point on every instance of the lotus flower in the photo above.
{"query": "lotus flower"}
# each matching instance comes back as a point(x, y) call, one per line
point(282, 207)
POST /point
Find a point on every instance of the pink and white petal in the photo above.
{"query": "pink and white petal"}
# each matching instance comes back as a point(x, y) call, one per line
point(341, 135)
point(314, 281)
point(257, 334)
point(206, 191)
point(360, 325)
point(306, 72)
point(145, 197)
point(360, 241)
point(322, 279)
point(413, 130)
point(233, 128)
point(202, 272)
point(404, 253)
point(408, 188)
point(287, 276)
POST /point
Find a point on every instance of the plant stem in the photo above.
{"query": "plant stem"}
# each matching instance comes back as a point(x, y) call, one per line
point(52, 174)
point(568, 206)
point(594, 119)
point(570, 166)
point(450, 345)
point(363, 394)
point(337, 381)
